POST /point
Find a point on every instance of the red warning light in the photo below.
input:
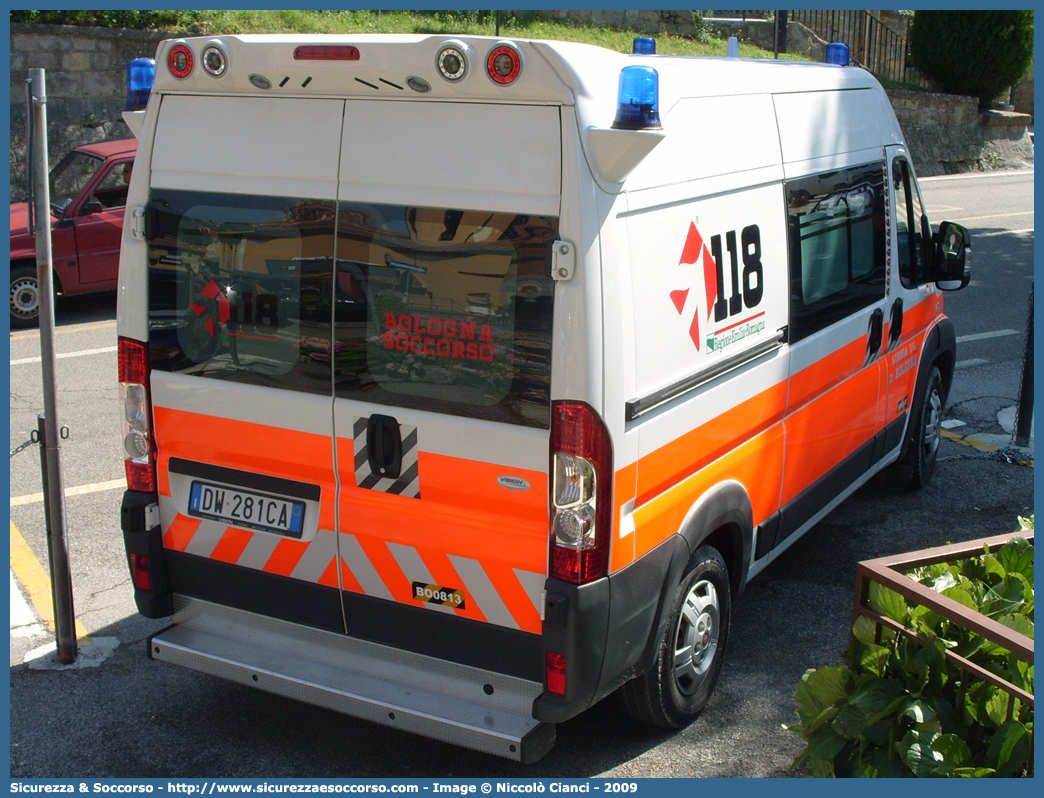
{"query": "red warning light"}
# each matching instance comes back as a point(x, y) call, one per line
point(179, 61)
point(326, 52)
point(503, 64)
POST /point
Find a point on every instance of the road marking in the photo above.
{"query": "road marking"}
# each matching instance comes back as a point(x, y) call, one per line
point(35, 582)
point(967, 364)
point(977, 236)
point(981, 446)
point(992, 216)
point(72, 328)
point(961, 339)
point(972, 175)
point(79, 490)
point(103, 350)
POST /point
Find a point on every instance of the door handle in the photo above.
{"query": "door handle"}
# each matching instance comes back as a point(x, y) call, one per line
point(895, 324)
point(874, 336)
point(384, 446)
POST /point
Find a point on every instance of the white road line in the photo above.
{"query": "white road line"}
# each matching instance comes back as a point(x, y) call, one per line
point(79, 490)
point(973, 175)
point(967, 364)
point(1002, 233)
point(103, 350)
point(983, 336)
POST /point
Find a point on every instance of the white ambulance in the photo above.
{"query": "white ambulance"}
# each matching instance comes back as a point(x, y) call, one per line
point(467, 381)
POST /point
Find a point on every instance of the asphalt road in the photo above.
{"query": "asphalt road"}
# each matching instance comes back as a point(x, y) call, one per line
point(130, 717)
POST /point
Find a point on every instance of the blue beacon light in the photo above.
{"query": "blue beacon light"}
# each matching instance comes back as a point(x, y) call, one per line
point(837, 54)
point(638, 100)
point(643, 45)
point(141, 74)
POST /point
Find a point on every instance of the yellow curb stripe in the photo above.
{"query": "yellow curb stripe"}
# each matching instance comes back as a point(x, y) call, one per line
point(34, 580)
point(978, 445)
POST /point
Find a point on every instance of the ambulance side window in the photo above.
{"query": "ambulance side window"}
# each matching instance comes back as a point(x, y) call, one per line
point(836, 232)
point(910, 236)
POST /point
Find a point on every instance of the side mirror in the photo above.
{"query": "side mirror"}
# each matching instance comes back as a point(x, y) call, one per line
point(91, 206)
point(951, 257)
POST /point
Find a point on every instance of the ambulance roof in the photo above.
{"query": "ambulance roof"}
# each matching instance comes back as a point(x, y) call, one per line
point(405, 67)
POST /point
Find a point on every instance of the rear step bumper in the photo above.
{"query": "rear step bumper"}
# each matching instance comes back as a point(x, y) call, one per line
point(458, 704)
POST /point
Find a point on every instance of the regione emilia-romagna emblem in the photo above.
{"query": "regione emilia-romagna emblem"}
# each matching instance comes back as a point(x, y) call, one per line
point(727, 310)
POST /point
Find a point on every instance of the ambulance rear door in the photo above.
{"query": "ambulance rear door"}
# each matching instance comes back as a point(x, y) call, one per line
point(240, 227)
point(443, 306)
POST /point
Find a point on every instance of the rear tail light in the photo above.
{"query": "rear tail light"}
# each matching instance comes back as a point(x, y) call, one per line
point(139, 565)
point(555, 672)
point(179, 61)
point(581, 493)
point(138, 445)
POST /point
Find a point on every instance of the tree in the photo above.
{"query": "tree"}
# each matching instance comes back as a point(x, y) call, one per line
point(977, 53)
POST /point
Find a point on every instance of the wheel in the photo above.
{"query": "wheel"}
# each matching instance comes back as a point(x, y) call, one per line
point(25, 297)
point(916, 466)
point(676, 690)
point(928, 431)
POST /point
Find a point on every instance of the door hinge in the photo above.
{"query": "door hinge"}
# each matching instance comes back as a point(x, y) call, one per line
point(138, 223)
point(563, 260)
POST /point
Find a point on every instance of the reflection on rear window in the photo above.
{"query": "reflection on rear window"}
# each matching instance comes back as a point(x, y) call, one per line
point(430, 308)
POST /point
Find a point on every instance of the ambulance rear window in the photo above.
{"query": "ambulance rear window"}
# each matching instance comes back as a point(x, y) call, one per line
point(446, 310)
point(437, 309)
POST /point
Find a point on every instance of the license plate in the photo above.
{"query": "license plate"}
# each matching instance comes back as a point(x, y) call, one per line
point(247, 509)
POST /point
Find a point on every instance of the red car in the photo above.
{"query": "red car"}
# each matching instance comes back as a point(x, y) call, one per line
point(88, 197)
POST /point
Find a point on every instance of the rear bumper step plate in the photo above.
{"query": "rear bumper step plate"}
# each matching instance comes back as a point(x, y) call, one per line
point(445, 701)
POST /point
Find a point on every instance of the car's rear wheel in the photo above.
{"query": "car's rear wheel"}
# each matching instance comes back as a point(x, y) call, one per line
point(678, 687)
point(25, 297)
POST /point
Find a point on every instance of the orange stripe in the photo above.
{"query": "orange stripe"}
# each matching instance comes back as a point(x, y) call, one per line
point(621, 549)
point(756, 464)
point(329, 576)
point(824, 432)
point(285, 557)
point(348, 580)
point(384, 563)
point(180, 532)
point(231, 545)
point(693, 451)
point(255, 448)
point(833, 369)
point(515, 597)
point(445, 575)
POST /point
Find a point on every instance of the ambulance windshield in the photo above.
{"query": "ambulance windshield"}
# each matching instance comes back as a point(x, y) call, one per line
point(439, 309)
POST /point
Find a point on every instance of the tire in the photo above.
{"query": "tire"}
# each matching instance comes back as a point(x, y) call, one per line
point(25, 297)
point(916, 466)
point(928, 432)
point(678, 687)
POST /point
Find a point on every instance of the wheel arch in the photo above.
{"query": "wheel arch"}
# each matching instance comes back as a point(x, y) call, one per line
point(723, 517)
point(17, 263)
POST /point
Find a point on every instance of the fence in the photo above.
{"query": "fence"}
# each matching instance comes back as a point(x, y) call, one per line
point(872, 44)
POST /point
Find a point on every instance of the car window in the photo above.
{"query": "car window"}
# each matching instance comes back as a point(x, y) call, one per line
point(70, 176)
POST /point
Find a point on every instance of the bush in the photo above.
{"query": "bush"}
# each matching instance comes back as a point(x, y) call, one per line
point(976, 53)
point(899, 708)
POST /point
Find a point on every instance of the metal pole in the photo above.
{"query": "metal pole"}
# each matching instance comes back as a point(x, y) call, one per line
point(48, 423)
point(1024, 413)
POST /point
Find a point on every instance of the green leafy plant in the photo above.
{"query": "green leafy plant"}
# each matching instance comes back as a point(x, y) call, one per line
point(977, 53)
point(897, 707)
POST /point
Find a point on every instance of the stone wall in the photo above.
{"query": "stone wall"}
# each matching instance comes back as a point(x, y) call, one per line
point(948, 135)
point(85, 81)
